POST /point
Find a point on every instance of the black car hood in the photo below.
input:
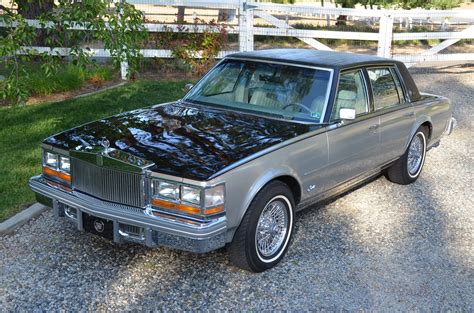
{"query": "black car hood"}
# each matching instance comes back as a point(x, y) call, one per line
point(183, 140)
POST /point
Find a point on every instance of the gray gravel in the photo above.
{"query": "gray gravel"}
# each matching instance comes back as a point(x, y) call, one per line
point(382, 247)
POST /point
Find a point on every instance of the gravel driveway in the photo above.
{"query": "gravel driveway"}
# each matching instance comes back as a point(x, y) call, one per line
point(382, 247)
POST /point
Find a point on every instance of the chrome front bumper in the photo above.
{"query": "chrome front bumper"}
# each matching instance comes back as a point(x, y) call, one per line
point(149, 230)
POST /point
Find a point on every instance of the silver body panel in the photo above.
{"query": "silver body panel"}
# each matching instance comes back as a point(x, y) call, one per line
point(323, 163)
point(336, 159)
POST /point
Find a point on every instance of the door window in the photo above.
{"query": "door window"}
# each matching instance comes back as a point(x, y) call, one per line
point(351, 94)
point(384, 89)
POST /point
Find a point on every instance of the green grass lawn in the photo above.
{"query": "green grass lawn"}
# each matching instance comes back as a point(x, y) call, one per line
point(23, 128)
point(68, 77)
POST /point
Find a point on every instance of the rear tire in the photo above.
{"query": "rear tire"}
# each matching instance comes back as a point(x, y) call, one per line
point(263, 236)
point(408, 167)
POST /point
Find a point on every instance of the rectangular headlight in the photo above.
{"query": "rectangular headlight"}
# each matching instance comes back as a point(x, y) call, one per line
point(57, 166)
point(214, 196)
point(65, 164)
point(191, 195)
point(51, 160)
point(166, 190)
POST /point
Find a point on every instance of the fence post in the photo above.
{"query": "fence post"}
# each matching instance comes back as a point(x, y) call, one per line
point(124, 70)
point(123, 64)
point(385, 36)
point(245, 26)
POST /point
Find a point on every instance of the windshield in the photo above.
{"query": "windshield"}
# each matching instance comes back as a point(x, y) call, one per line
point(284, 91)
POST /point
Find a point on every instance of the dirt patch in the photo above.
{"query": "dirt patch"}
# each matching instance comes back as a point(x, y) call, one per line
point(61, 96)
point(89, 88)
point(166, 74)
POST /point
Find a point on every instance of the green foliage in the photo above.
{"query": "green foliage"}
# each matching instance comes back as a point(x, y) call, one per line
point(347, 3)
point(17, 34)
point(186, 44)
point(66, 78)
point(117, 25)
point(444, 4)
point(284, 1)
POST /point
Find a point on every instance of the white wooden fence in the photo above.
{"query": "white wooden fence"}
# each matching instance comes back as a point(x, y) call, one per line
point(246, 12)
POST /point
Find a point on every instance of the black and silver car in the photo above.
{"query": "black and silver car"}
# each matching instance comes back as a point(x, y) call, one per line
point(261, 136)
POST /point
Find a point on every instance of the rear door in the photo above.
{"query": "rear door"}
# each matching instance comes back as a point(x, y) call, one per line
point(396, 113)
point(353, 145)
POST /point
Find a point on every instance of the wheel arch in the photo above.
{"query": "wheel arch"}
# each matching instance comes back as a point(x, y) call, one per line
point(422, 121)
point(284, 175)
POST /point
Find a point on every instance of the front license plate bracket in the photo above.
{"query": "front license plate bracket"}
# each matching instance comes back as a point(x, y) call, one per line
point(98, 226)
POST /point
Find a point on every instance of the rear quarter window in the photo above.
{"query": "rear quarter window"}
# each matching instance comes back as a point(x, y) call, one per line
point(384, 88)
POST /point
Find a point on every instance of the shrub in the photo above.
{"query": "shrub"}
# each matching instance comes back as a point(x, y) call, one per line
point(186, 44)
point(119, 27)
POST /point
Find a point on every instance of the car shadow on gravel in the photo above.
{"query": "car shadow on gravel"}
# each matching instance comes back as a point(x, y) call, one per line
point(435, 256)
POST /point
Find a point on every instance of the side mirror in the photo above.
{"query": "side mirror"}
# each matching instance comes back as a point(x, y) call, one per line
point(188, 87)
point(347, 114)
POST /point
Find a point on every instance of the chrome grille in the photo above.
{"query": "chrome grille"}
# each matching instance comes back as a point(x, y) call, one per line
point(108, 184)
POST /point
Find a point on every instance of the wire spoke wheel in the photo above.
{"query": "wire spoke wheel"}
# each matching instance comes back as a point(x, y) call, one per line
point(415, 154)
point(262, 238)
point(272, 228)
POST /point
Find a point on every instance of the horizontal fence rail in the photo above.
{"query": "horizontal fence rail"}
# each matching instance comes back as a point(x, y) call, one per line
point(249, 19)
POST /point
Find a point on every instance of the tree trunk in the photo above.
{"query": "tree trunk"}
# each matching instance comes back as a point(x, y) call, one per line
point(33, 9)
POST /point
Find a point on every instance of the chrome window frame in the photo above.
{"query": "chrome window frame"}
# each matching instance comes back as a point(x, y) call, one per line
point(328, 69)
point(366, 90)
point(390, 68)
point(398, 75)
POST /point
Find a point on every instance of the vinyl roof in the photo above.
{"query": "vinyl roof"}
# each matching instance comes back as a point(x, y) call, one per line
point(311, 57)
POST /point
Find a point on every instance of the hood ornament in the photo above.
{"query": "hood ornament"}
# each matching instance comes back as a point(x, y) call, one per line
point(105, 143)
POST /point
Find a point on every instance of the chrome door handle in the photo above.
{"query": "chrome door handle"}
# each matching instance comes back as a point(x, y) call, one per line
point(375, 126)
point(410, 114)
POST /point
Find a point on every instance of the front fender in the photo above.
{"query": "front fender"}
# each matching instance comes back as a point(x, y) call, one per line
point(264, 180)
point(243, 185)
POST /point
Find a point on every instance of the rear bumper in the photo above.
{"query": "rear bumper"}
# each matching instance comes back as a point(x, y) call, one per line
point(149, 230)
point(452, 123)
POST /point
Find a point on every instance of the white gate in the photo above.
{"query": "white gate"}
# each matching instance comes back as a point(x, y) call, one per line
point(273, 21)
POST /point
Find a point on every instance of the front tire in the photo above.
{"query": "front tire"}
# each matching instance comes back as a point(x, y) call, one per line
point(264, 234)
point(407, 169)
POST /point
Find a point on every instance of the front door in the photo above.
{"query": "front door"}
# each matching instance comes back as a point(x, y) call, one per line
point(353, 145)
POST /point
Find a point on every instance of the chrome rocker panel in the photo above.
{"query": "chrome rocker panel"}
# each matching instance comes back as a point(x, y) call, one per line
point(157, 230)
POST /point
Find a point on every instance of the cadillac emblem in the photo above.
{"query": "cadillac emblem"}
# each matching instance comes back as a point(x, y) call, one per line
point(99, 226)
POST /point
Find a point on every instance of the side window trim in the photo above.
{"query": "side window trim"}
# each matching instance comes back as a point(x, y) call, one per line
point(389, 68)
point(368, 104)
point(398, 76)
point(368, 89)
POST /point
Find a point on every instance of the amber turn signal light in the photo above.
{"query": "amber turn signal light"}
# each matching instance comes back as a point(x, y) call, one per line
point(176, 206)
point(214, 210)
point(60, 175)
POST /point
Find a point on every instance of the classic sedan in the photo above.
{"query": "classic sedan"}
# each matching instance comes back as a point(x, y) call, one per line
point(261, 136)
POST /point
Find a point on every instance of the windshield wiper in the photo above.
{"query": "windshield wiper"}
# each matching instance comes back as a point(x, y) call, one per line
point(241, 110)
